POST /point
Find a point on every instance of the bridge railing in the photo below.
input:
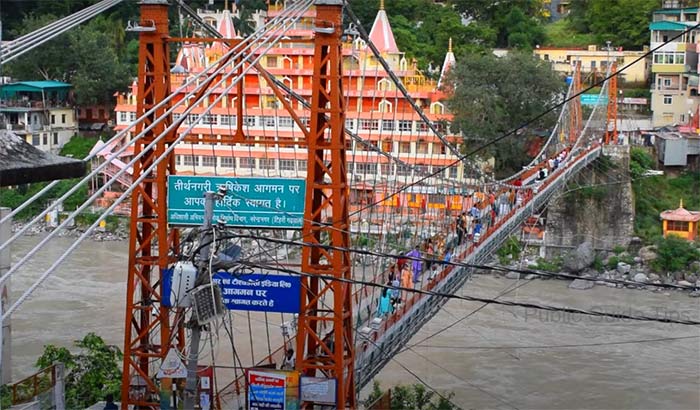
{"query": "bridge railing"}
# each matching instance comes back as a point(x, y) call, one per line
point(378, 342)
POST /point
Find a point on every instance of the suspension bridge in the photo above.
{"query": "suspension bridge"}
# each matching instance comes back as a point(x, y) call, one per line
point(346, 112)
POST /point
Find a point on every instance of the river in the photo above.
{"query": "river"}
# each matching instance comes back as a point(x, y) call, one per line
point(500, 357)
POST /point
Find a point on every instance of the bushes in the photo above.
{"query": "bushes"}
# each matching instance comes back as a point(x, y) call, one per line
point(509, 251)
point(674, 254)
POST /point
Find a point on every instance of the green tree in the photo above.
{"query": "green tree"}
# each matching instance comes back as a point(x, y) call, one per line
point(624, 23)
point(90, 374)
point(90, 57)
point(492, 96)
point(416, 397)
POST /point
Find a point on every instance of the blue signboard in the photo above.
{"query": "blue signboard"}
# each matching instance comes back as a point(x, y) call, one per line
point(249, 202)
point(260, 292)
point(266, 390)
point(593, 99)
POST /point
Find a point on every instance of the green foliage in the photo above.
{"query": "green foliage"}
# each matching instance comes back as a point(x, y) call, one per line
point(517, 23)
point(78, 147)
point(653, 195)
point(415, 397)
point(494, 95)
point(640, 162)
point(553, 265)
point(91, 57)
point(674, 254)
point(618, 249)
point(612, 262)
point(561, 34)
point(5, 397)
point(598, 264)
point(624, 23)
point(90, 374)
point(511, 249)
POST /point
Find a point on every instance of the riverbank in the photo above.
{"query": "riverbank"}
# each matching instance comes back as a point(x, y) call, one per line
point(120, 232)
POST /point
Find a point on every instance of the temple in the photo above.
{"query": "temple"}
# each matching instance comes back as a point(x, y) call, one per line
point(681, 222)
point(376, 110)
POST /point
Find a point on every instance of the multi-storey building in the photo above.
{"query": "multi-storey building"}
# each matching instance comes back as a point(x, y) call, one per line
point(376, 110)
point(39, 112)
point(595, 60)
point(674, 90)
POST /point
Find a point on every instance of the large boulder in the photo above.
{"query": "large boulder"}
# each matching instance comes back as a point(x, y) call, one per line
point(623, 268)
point(580, 258)
point(641, 278)
point(648, 253)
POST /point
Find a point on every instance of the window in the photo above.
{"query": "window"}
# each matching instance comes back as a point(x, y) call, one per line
point(452, 172)
point(249, 121)
point(363, 168)
point(176, 116)
point(306, 121)
point(132, 116)
point(403, 170)
point(669, 57)
point(387, 146)
point(228, 120)
point(228, 162)
point(55, 138)
point(369, 124)
point(267, 163)
point(593, 64)
point(422, 147)
point(209, 119)
point(188, 160)
point(53, 119)
point(35, 139)
point(668, 99)
point(546, 57)
point(178, 159)
point(285, 122)
point(404, 148)
point(350, 123)
point(45, 139)
point(405, 125)
point(677, 226)
point(422, 169)
point(667, 82)
point(268, 121)
point(386, 169)
point(208, 161)
point(247, 162)
point(388, 125)
point(301, 165)
point(286, 165)
point(63, 118)
point(422, 126)
point(122, 117)
point(272, 62)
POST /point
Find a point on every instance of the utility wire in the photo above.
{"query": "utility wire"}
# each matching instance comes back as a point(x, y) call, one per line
point(561, 346)
point(641, 318)
point(453, 263)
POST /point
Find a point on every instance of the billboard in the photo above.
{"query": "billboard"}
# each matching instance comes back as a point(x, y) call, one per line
point(276, 203)
point(272, 389)
point(260, 292)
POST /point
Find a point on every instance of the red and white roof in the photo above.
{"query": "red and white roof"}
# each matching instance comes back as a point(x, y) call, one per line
point(381, 35)
point(681, 214)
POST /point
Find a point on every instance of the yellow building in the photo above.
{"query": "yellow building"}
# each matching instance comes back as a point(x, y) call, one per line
point(594, 59)
point(681, 222)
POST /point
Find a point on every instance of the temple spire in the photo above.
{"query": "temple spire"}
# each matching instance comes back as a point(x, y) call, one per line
point(449, 62)
point(681, 203)
point(381, 34)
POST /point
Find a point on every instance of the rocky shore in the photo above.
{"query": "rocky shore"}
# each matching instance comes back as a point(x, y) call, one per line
point(607, 268)
point(98, 235)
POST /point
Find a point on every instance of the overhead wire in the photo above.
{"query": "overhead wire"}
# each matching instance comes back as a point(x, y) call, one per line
point(146, 172)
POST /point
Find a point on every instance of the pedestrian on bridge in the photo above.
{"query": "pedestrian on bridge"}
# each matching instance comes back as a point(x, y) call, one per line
point(417, 264)
point(385, 306)
point(406, 277)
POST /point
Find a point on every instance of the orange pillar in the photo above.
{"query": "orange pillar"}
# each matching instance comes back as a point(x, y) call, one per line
point(611, 123)
point(147, 327)
point(325, 346)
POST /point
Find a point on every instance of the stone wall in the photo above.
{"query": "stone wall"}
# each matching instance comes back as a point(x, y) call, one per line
point(602, 213)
